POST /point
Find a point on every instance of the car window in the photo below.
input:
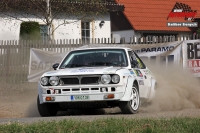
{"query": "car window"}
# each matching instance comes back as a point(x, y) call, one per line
point(95, 58)
point(134, 56)
point(131, 56)
point(141, 64)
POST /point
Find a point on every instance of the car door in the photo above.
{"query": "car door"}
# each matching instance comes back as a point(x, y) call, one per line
point(142, 75)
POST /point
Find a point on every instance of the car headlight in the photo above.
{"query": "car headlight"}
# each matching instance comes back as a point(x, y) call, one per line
point(115, 79)
point(44, 81)
point(54, 80)
point(105, 79)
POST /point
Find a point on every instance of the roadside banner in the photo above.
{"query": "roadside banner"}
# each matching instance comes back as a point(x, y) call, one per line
point(183, 53)
point(191, 56)
point(166, 53)
point(42, 61)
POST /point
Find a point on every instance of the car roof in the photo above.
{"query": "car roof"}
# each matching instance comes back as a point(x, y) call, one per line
point(100, 47)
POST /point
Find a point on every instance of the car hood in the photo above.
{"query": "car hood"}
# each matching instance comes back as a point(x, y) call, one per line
point(83, 71)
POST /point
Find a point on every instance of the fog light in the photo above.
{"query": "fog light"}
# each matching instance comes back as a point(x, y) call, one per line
point(104, 89)
point(112, 89)
point(109, 96)
point(50, 98)
point(57, 91)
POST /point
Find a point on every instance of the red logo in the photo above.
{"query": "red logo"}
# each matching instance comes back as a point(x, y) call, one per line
point(181, 10)
point(193, 63)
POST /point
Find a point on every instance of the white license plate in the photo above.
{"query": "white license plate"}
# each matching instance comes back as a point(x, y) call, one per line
point(80, 97)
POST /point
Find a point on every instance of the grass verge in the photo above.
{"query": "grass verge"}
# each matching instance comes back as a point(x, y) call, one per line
point(109, 125)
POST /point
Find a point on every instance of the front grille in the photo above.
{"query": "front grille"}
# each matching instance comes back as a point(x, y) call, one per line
point(80, 80)
point(79, 89)
point(85, 89)
point(70, 81)
point(90, 80)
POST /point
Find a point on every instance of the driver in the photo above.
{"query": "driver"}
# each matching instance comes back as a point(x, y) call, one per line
point(113, 58)
point(88, 60)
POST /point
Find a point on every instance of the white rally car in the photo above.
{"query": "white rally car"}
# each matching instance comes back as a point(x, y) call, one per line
point(100, 77)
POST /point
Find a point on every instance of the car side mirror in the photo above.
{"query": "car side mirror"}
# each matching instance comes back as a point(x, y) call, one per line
point(134, 63)
point(55, 66)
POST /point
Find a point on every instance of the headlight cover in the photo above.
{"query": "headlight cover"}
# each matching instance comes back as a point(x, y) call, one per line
point(105, 79)
point(44, 81)
point(54, 80)
point(115, 79)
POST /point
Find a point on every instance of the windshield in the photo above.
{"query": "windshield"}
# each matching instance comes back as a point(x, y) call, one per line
point(97, 57)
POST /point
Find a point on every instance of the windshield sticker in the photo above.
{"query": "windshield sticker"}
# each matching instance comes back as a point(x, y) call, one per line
point(82, 70)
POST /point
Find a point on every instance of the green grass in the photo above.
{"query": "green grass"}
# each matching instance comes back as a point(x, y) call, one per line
point(109, 125)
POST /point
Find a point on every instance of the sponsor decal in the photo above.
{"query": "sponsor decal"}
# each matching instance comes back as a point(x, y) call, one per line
point(147, 72)
point(126, 73)
point(141, 82)
point(183, 11)
point(108, 71)
point(82, 70)
point(131, 71)
point(138, 73)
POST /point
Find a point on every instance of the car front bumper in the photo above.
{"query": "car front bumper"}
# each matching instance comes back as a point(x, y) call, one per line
point(82, 97)
point(81, 93)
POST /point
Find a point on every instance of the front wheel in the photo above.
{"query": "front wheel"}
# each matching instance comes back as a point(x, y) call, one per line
point(47, 109)
point(132, 106)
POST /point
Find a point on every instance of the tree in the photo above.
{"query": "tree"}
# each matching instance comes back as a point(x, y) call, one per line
point(198, 31)
point(49, 10)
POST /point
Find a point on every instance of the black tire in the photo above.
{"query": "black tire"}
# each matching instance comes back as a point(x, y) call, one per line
point(132, 106)
point(47, 109)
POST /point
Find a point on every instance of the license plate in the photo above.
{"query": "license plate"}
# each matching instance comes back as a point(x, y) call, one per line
point(80, 97)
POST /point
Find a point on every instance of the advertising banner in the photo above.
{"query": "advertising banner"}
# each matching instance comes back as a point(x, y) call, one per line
point(164, 53)
point(42, 61)
point(183, 53)
point(191, 56)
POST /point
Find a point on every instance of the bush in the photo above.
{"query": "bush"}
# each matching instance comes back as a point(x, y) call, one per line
point(30, 31)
